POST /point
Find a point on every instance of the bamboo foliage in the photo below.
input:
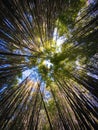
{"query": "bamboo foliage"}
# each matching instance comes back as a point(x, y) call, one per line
point(59, 39)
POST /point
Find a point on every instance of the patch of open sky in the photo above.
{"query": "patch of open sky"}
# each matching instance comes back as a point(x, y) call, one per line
point(17, 51)
point(4, 66)
point(33, 72)
point(59, 43)
point(25, 51)
point(42, 86)
point(2, 48)
point(55, 34)
point(59, 40)
point(47, 63)
point(92, 75)
point(52, 79)
point(47, 94)
point(3, 88)
point(38, 60)
point(91, 1)
point(30, 17)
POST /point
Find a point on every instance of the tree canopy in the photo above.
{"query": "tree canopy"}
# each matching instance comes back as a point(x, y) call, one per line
point(48, 65)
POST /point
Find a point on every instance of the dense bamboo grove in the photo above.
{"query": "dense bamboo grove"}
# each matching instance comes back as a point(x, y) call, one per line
point(57, 41)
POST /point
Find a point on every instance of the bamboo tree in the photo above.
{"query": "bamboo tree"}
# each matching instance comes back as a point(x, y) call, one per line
point(27, 40)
